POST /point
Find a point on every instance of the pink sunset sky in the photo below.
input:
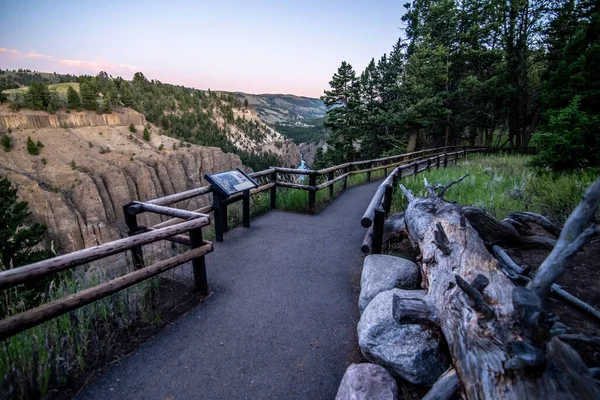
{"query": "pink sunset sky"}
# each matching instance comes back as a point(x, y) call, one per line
point(250, 46)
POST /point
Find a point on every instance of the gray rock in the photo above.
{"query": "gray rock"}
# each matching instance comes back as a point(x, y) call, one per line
point(411, 352)
point(367, 382)
point(381, 273)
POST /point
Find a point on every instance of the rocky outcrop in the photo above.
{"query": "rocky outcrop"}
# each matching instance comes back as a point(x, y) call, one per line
point(411, 352)
point(27, 119)
point(382, 272)
point(79, 183)
point(367, 382)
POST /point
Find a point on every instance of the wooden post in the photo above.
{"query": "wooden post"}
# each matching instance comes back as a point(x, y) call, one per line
point(387, 198)
point(225, 217)
point(330, 178)
point(428, 163)
point(137, 254)
point(416, 168)
point(347, 169)
point(312, 194)
point(273, 190)
point(378, 223)
point(198, 263)
point(246, 208)
point(437, 162)
point(218, 212)
point(445, 160)
point(369, 165)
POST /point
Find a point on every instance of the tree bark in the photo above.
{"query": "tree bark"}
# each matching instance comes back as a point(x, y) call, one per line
point(486, 320)
point(412, 139)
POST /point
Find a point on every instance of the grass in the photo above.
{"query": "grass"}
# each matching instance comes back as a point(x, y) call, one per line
point(61, 88)
point(61, 350)
point(502, 184)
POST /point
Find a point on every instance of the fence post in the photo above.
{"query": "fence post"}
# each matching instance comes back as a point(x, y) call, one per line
point(199, 264)
point(133, 229)
point(445, 160)
point(225, 217)
point(218, 213)
point(428, 163)
point(369, 165)
point(416, 168)
point(246, 209)
point(437, 161)
point(312, 194)
point(378, 223)
point(387, 198)
point(347, 169)
point(330, 176)
point(273, 190)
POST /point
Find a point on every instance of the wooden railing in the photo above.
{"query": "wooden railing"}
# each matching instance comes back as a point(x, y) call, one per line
point(182, 221)
point(30, 273)
point(378, 209)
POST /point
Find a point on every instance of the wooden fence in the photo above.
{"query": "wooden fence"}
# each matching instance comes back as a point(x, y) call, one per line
point(191, 222)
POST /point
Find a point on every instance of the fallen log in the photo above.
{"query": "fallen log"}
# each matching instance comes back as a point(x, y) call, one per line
point(500, 339)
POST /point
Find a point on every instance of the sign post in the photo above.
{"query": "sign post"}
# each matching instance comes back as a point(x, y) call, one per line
point(224, 185)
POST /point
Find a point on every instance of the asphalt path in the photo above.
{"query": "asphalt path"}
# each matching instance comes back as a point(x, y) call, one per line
point(280, 324)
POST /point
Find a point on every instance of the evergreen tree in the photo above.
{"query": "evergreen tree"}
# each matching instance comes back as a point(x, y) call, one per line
point(146, 134)
point(73, 100)
point(88, 96)
point(31, 147)
point(19, 239)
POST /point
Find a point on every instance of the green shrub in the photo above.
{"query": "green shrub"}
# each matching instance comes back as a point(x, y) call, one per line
point(6, 142)
point(132, 128)
point(73, 165)
point(146, 135)
point(161, 147)
point(39, 144)
point(31, 147)
point(44, 161)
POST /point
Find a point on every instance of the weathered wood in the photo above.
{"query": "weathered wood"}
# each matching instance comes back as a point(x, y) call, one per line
point(516, 272)
point(174, 198)
point(333, 169)
point(18, 323)
point(445, 387)
point(495, 232)
point(174, 221)
point(544, 222)
point(262, 173)
point(481, 347)
point(36, 270)
point(414, 307)
point(332, 181)
point(294, 186)
point(574, 235)
point(137, 207)
point(367, 243)
point(367, 218)
point(296, 171)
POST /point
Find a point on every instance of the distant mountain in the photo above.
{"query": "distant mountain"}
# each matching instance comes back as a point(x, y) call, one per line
point(275, 108)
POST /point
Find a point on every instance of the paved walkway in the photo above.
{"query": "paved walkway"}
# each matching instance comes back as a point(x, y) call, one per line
point(281, 323)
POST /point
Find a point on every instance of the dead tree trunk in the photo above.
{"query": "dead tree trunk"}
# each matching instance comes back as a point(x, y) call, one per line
point(499, 338)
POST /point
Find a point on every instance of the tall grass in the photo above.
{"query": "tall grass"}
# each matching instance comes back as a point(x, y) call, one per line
point(58, 352)
point(502, 184)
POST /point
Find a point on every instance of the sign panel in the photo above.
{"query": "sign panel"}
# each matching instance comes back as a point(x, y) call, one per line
point(231, 182)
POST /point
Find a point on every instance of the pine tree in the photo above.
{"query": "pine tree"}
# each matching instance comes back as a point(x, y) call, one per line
point(88, 96)
point(73, 100)
point(18, 238)
point(146, 134)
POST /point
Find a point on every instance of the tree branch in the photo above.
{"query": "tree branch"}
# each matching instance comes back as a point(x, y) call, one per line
point(407, 193)
point(573, 236)
point(544, 222)
point(445, 188)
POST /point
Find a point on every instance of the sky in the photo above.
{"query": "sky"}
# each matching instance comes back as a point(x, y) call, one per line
point(253, 46)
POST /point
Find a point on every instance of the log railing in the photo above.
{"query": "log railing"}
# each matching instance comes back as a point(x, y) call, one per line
point(378, 209)
point(193, 224)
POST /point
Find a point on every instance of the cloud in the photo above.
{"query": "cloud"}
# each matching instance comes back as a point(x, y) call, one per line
point(13, 54)
point(33, 54)
point(97, 65)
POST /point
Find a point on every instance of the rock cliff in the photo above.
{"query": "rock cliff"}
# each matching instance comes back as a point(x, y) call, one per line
point(87, 171)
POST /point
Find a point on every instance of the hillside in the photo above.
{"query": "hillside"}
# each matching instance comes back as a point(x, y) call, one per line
point(274, 108)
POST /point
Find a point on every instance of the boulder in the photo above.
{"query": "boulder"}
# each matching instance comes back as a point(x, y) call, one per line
point(382, 272)
point(411, 352)
point(367, 382)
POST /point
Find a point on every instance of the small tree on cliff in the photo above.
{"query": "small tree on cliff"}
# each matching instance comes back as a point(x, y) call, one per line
point(18, 237)
point(146, 134)
point(73, 100)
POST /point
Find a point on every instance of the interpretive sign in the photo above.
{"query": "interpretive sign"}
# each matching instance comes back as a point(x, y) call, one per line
point(231, 182)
